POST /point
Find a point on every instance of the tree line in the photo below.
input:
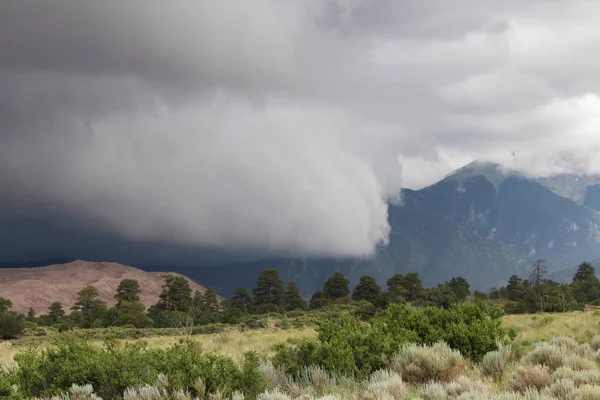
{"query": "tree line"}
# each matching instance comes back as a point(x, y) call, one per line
point(178, 307)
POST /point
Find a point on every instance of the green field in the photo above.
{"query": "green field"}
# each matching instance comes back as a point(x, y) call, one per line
point(581, 326)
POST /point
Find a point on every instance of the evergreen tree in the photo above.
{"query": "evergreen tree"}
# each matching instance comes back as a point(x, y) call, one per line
point(133, 313)
point(242, 300)
point(368, 289)
point(442, 296)
point(11, 323)
point(55, 312)
point(176, 294)
point(91, 307)
point(292, 298)
point(212, 305)
point(337, 286)
point(31, 315)
point(585, 284)
point(396, 292)
point(460, 288)
point(128, 291)
point(415, 292)
point(269, 289)
point(318, 300)
point(5, 305)
point(514, 288)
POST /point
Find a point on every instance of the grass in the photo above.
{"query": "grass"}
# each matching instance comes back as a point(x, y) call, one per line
point(579, 325)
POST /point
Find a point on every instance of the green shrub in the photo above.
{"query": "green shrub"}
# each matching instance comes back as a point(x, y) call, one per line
point(349, 346)
point(110, 370)
point(11, 325)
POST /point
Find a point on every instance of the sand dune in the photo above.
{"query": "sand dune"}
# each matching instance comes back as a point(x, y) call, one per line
point(39, 287)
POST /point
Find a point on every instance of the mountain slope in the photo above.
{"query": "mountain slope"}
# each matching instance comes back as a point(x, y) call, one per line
point(483, 222)
point(39, 287)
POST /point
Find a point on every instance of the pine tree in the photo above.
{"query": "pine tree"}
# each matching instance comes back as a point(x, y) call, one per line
point(460, 287)
point(337, 286)
point(55, 312)
point(176, 294)
point(368, 289)
point(292, 298)
point(128, 291)
point(92, 308)
point(269, 288)
point(242, 300)
point(585, 284)
point(31, 315)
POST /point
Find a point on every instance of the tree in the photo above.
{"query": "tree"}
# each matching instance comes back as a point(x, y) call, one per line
point(269, 288)
point(337, 286)
point(55, 312)
point(241, 300)
point(460, 287)
point(133, 313)
point(442, 296)
point(91, 307)
point(5, 305)
point(514, 288)
point(396, 292)
point(31, 315)
point(292, 298)
point(11, 323)
point(538, 273)
point(128, 291)
point(176, 294)
point(415, 292)
point(368, 289)
point(318, 300)
point(86, 298)
point(585, 284)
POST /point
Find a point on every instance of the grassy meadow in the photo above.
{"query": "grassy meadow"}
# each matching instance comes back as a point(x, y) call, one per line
point(232, 342)
point(566, 367)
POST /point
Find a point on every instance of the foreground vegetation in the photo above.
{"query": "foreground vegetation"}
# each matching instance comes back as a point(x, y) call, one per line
point(406, 342)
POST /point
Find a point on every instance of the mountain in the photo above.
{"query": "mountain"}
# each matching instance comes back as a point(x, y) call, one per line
point(583, 189)
point(484, 222)
point(39, 287)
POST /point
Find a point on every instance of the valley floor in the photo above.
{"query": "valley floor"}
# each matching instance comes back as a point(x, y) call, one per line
point(581, 326)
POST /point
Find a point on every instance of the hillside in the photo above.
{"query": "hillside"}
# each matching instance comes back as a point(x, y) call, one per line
point(39, 287)
point(484, 222)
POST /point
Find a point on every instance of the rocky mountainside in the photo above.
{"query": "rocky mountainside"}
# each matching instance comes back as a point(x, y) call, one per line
point(39, 287)
point(483, 222)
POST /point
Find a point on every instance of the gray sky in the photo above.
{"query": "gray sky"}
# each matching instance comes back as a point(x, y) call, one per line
point(283, 126)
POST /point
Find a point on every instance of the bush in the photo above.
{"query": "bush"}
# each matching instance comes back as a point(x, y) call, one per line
point(349, 346)
point(529, 377)
point(384, 384)
point(547, 355)
point(495, 363)
point(421, 364)
point(11, 325)
point(563, 389)
point(110, 370)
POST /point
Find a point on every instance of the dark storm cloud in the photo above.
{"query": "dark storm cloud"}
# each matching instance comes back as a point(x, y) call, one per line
point(282, 126)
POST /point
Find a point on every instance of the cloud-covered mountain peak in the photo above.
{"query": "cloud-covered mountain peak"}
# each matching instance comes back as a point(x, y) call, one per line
point(493, 172)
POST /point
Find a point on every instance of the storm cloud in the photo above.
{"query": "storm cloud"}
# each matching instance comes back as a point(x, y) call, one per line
point(283, 127)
